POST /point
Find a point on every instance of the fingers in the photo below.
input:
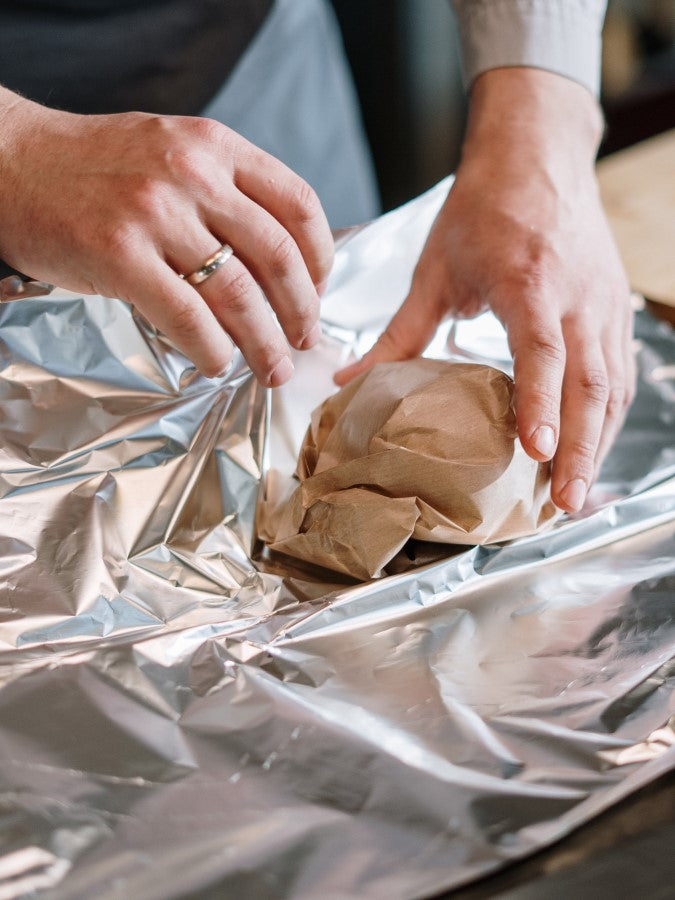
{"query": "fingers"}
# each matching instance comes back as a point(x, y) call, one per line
point(274, 259)
point(574, 380)
point(539, 358)
point(407, 334)
point(239, 306)
point(201, 320)
point(164, 194)
point(282, 241)
point(409, 331)
point(585, 397)
point(598, 388)
point(176, 308)
point(265, 253)
point(292, 202)
point(622, 376)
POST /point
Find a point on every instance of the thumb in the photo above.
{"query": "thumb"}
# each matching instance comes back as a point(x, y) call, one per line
point(406, 336)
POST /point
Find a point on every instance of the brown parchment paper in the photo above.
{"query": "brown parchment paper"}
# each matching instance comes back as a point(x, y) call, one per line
point(424, 448)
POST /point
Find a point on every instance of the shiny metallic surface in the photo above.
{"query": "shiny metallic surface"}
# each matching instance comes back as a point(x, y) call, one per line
point(184, 713)
point(209, 266)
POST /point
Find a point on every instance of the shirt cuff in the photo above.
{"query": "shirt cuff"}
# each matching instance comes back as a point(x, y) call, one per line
point(562, 36)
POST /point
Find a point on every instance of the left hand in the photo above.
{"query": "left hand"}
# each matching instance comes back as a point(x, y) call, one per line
point(523, 233)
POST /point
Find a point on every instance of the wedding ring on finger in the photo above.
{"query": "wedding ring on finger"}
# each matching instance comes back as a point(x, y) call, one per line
point(209, 266)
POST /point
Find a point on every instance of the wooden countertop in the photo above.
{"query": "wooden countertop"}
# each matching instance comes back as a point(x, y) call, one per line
point(637, 186)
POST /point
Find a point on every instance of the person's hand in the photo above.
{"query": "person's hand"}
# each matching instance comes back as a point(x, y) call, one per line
point(523, 232)
point(120, 205)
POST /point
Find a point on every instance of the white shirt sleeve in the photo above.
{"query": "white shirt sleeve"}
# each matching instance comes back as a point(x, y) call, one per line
point(562, 36)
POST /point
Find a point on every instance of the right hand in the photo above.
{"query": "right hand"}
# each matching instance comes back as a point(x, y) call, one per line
point(119, 205)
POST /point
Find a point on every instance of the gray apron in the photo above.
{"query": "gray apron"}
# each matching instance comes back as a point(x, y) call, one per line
point(291, 94)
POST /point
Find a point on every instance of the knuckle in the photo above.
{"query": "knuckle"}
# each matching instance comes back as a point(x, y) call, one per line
point(530, 270)
point(395, 342)
point(189, 152)
point(148, 197)
point(594, 385)
point(183, 319)
point(205, 130)
point(536, 252)
point(616, 400)
point(303, 320)
point(159, 125)
point(282, 255)
point(189, 167)
point(184, 163)
point(545, 400)
point(235, 297)
point(305, 204)
point(268, 356)
point(547, 344)
point(215, 367)
point(582, 451)
point(391, 338)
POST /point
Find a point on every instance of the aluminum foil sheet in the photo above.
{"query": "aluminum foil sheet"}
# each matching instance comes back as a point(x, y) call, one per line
point(184, 714)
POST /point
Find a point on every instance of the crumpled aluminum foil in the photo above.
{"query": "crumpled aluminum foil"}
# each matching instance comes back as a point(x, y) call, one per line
point(183, 713)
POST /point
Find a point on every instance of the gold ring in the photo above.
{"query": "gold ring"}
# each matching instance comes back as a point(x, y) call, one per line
point(210, 265)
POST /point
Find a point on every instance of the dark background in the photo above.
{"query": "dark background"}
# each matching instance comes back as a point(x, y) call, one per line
point(404, 57)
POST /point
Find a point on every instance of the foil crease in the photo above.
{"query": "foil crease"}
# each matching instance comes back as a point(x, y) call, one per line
point(184, 713)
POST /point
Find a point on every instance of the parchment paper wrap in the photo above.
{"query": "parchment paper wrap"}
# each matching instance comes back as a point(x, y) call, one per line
point(423, 448)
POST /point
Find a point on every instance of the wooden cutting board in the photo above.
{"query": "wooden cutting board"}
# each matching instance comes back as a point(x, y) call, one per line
point(638, 190)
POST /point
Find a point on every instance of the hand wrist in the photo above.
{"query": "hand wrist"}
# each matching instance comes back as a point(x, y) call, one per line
point(17, 119)
point(522, 116)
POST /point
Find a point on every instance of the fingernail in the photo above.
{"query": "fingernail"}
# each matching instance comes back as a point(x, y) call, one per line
point(311, 338)
point(543, 440)
point(574, 494)
point(342, 376)
point(321, 287)
point(282, 373)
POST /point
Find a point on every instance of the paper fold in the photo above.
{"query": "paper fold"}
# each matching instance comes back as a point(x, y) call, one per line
point(423, 449)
